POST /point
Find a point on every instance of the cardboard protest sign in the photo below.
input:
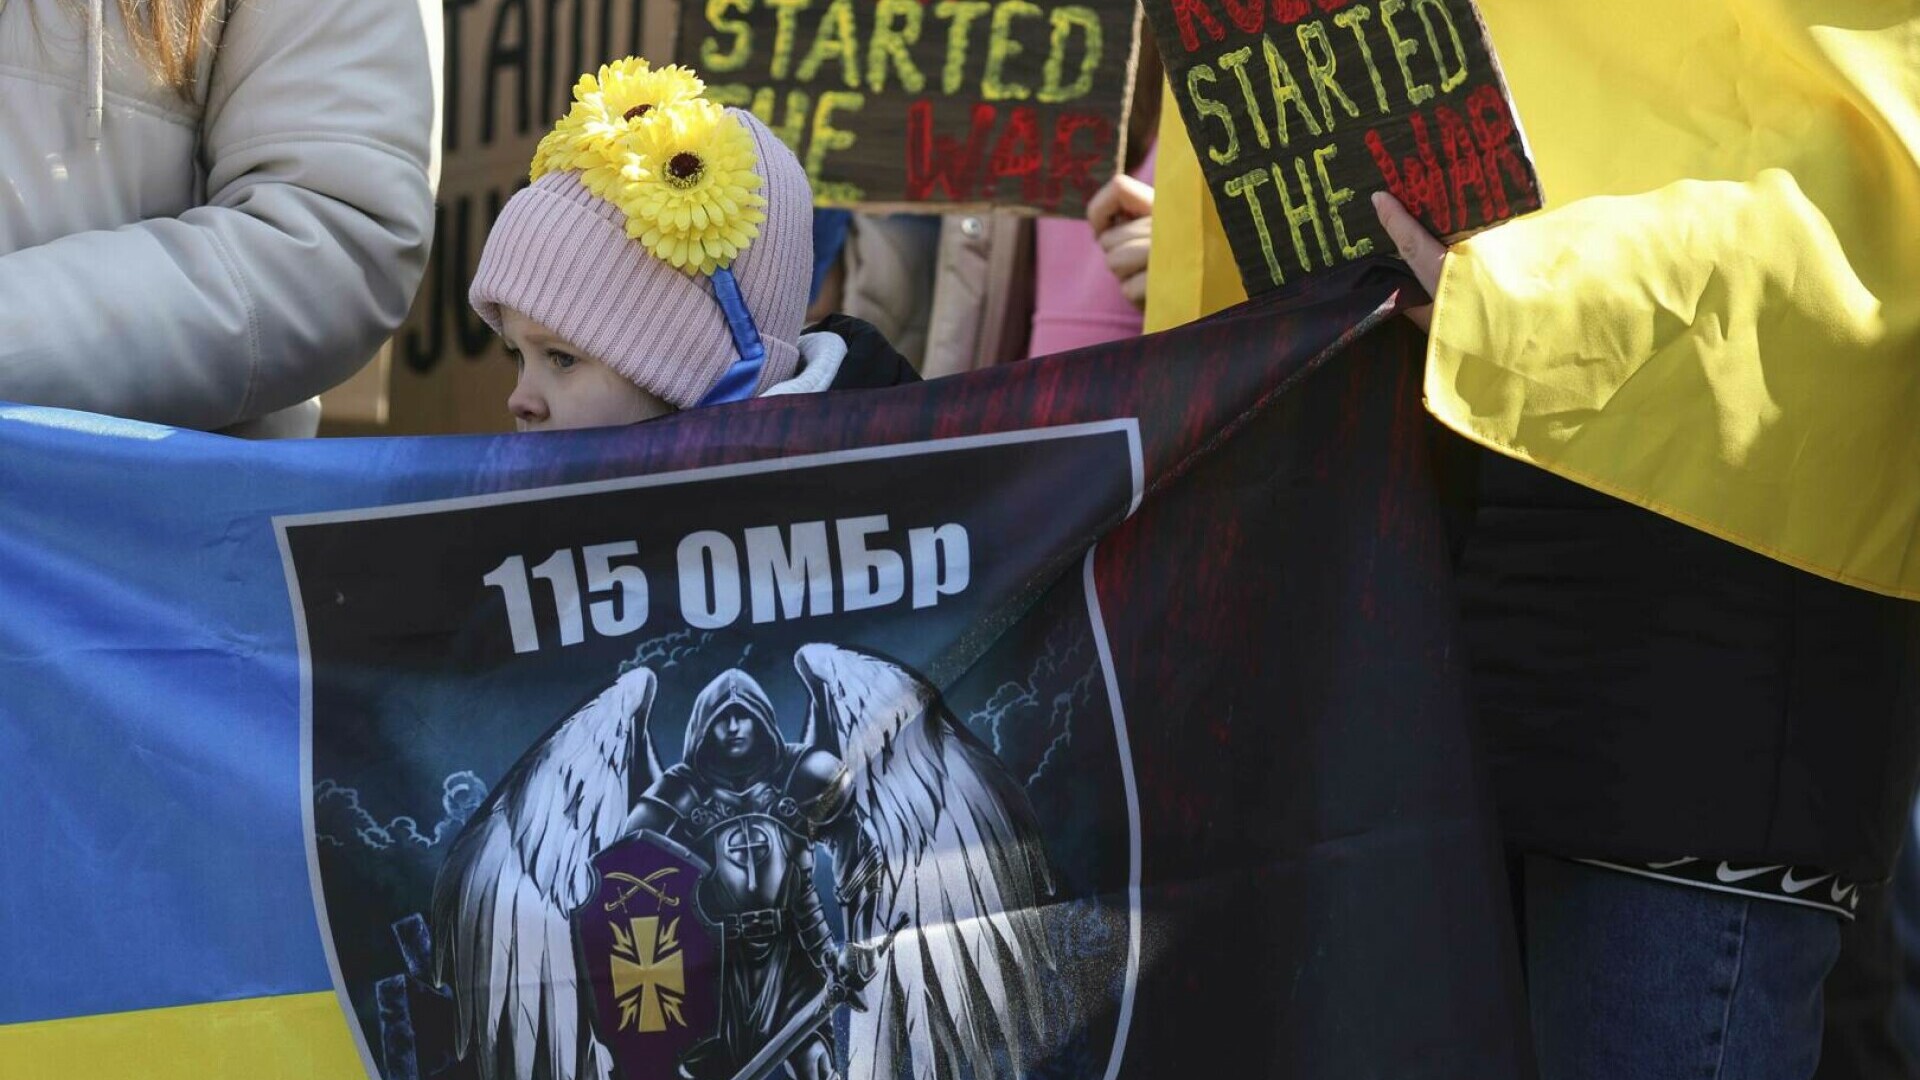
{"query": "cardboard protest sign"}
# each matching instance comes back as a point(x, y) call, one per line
point(898, 103)
point(1300, 110)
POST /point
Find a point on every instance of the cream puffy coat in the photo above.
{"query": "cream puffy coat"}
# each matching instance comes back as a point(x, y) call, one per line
point(212, 263)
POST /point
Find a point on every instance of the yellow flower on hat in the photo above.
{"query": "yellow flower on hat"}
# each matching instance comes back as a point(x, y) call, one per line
point(678, 166)
point(689, 189)
point(607, 107)
point(555, 146)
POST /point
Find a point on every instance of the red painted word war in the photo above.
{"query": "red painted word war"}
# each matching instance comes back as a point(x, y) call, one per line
point(925, 105)
point(1062, 161)
point(1480, 158)
point(1249, 16)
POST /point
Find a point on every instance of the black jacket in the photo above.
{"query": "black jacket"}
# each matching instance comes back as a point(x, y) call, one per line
point(871, 361)
point(1650, 692)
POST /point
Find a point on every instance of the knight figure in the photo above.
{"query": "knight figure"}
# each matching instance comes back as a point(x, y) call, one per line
point(753, 806)
point(930, 838)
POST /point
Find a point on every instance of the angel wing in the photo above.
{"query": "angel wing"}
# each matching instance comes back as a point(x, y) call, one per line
point(948, 851)
point(519, 867)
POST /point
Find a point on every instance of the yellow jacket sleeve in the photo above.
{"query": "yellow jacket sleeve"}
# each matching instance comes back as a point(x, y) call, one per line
point(1719, 315)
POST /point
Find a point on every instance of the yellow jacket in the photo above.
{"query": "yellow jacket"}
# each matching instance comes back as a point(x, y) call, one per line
point(1718, 315)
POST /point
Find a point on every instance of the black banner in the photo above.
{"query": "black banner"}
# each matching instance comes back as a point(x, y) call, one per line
point(1089, 717)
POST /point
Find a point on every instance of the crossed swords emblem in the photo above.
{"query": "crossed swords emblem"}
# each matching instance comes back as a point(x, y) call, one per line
point(640, 885)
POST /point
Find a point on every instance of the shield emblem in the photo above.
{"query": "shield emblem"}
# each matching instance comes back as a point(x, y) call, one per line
point(651, 962)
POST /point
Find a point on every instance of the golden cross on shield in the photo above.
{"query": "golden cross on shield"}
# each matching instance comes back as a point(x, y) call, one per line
point(648, 980)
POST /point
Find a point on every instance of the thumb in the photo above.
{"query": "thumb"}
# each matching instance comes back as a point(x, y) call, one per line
point(1118, 199)
point(1423, 253)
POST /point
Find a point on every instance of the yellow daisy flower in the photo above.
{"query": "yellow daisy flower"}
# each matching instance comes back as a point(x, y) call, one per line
point(607, 107)
point(555, 148)
point(691, 196)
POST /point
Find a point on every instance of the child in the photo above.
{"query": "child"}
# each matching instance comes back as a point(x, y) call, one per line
point(661, 260)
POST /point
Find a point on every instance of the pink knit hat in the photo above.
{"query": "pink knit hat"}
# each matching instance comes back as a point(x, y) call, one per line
point(561, 256)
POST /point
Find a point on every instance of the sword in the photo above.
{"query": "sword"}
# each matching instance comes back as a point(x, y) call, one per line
point(811, 1017)
point(814, 1015)
point(648, 885)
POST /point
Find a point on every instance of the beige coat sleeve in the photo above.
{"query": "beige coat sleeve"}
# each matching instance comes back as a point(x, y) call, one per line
point(982, 295)
point(318, 138)
point(889, 273)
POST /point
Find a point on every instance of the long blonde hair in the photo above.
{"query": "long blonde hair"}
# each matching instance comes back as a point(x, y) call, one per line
point(168, 34)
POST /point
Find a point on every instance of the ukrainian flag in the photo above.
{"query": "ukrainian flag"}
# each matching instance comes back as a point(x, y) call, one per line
point(163, 928)
point(1718, 317)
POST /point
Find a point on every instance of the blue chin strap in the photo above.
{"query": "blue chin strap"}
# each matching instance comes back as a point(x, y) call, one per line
point(740, 379)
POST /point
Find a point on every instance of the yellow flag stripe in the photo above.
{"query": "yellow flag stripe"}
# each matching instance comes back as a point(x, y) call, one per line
point(294, 1037)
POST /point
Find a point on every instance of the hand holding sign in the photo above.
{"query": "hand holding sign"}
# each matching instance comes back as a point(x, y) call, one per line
point(1297, 108)
point(1121, 214)
point(1423, 254)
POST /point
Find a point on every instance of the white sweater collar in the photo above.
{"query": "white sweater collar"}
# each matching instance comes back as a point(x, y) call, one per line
point(820, 358)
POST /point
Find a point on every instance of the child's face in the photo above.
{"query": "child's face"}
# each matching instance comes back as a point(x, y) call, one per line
point(562, 387)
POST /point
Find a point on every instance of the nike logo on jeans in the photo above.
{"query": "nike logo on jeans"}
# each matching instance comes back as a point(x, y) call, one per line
point(1728, 875)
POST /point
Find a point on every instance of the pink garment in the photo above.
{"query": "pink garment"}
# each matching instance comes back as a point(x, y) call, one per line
point(1077, 302)
point(561, 256)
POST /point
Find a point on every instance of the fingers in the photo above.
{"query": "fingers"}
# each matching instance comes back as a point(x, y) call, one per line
point(1136, 196)
point(1118, 199)
point(1121, 214)
point(1423, 253)
point(1128, 259)
point(1138, 229)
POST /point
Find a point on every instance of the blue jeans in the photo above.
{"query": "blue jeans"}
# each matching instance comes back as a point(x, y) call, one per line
point(1906, 932)
point(1634, 979)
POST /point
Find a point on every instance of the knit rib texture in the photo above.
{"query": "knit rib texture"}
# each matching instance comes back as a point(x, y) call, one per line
point(561, 256)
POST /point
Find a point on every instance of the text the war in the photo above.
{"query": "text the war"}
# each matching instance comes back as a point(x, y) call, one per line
point(1300, 110)
point(947, 102)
